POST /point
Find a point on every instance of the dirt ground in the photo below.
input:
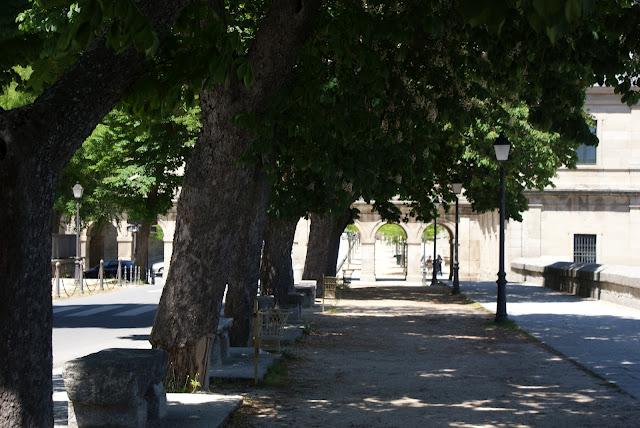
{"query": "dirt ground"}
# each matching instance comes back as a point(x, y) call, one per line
point(396, 356)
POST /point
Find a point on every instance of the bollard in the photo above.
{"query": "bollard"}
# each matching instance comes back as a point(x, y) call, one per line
point(137, 274)
point(101, 274)
point(80, 273)
point(119, 274)
point(58, 279)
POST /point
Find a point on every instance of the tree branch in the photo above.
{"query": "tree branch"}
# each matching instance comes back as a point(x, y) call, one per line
point(67, 112)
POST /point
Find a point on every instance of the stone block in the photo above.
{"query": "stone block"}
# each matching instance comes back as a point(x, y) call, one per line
point(116, 387)
point(309, 291)
point(220, 347)
point(294, 304)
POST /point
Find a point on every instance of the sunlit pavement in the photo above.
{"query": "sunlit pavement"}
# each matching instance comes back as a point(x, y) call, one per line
point(601, 336)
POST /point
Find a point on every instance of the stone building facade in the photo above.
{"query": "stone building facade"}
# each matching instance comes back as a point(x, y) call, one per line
point(592, 213)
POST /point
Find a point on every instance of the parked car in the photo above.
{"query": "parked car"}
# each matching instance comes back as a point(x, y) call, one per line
point(157, 269)
point(110, 269)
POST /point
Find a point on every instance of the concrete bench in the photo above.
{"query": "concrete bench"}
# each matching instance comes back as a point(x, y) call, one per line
point(116, 387)
point(309, 289)
point(294, 304)
point(220, 347)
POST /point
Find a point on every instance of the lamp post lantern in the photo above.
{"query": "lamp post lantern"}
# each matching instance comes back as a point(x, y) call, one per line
point(77, 194)
point(502, 146)
point(457, 188)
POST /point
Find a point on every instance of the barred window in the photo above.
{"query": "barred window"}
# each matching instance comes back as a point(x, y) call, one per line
point(584, 248)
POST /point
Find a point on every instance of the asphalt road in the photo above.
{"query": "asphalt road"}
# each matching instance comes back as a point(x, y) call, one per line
point(122, 318)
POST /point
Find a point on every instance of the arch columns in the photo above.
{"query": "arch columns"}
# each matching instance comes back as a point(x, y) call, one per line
point(414, 251)
point(367, 250)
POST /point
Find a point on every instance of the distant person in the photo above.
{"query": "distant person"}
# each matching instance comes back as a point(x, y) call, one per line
point(439, 265)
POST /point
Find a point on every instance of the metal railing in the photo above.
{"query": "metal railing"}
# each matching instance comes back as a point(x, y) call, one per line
point(61, 283)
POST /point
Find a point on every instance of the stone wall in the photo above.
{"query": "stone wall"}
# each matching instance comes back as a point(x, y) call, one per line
point(617, 284)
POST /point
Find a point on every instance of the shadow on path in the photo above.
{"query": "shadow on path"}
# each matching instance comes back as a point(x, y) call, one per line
point(420, 357)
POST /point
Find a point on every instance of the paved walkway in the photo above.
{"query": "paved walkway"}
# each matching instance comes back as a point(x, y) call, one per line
point(602, 336)
point(413, 356)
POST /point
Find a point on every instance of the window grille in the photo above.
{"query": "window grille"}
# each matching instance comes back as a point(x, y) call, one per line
point(584, 248)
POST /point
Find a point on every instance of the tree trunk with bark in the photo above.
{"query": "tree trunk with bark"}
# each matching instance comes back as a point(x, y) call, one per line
point(142, 247)
point(36, 141)
point(276, 271)
point(215, 192)
point(324, 244)
point(245, 264)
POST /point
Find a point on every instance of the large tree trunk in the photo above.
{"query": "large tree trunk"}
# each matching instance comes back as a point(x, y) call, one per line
point(324, 243)
point(276, 271)
point(245, 264)
point(142, 247)
point(214, 193)
point(36, 141)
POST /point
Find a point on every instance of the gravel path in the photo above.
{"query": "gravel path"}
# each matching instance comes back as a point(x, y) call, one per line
point(414, 356)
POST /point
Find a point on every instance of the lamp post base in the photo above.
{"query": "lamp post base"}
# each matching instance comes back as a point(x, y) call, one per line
point(456, 281)
point(501, 307)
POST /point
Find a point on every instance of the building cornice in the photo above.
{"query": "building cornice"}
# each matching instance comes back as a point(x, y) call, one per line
point(585, 192)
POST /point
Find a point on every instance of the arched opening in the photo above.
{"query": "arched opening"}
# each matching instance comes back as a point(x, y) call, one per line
point(103, 244)
point(390, 253)
point(443, 250)
point(349, 261)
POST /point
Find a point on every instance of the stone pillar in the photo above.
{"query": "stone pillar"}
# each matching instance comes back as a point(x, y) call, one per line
point(84, 248)
point(532, 231)
point(634, 231)
point(414, 254)
point(367, 254)
point(125, 247)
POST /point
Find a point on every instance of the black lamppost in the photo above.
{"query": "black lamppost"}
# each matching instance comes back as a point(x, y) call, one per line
point(502, 147)
point(77, 193)
point(434, 273)
point(457, 188)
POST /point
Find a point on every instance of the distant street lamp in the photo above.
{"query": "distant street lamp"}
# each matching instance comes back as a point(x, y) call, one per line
point(502, 146)
point(434, 273)
point(77, 193)
point(457, 188)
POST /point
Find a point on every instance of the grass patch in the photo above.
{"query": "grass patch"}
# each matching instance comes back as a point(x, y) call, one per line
point(503, 325)
point(331, 309)
point(309, 328)
point(278, 374)
point(509, 325)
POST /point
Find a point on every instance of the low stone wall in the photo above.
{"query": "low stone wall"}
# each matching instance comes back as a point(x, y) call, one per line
point(617, 284)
